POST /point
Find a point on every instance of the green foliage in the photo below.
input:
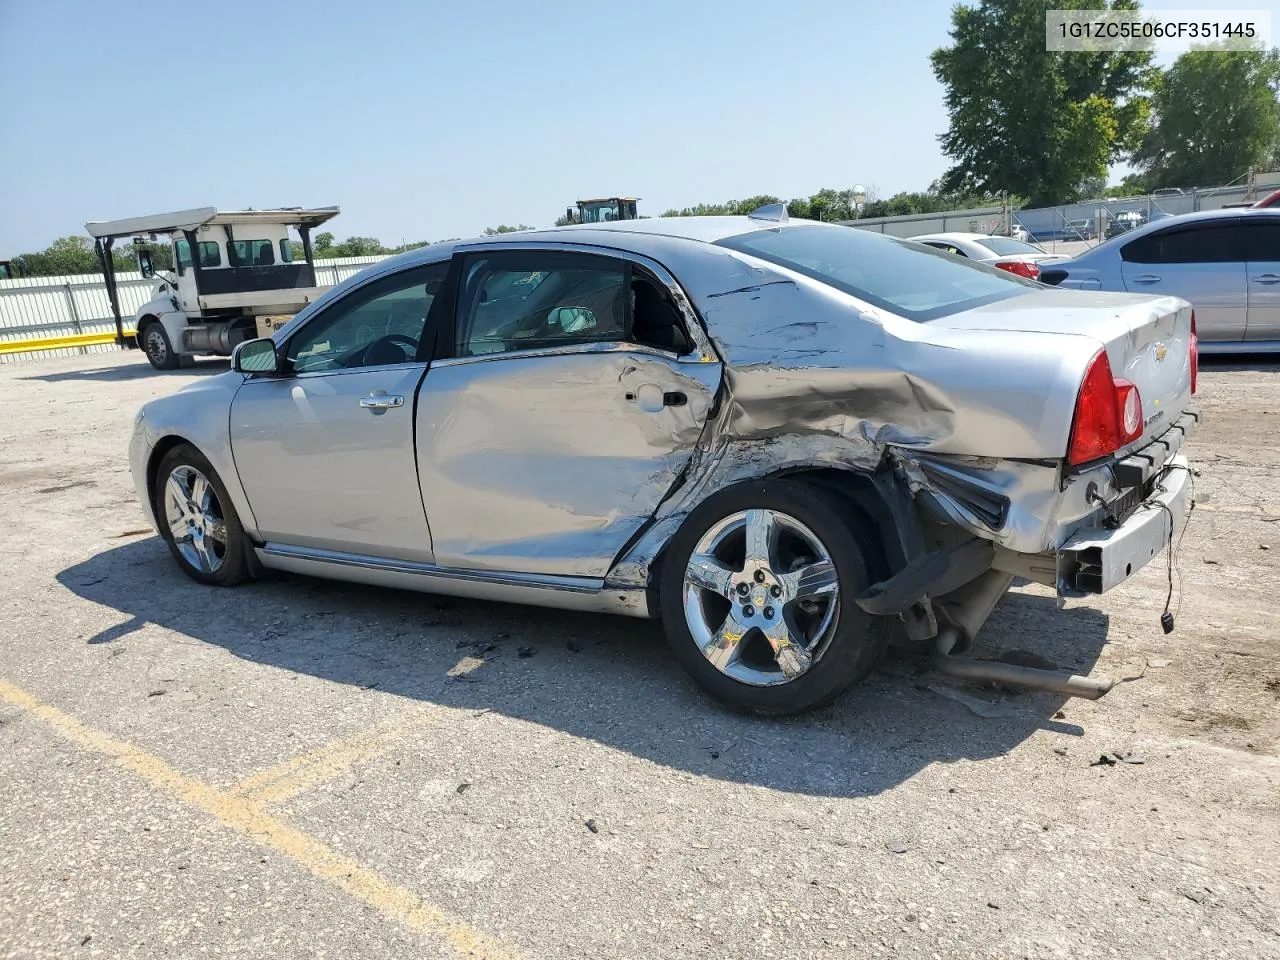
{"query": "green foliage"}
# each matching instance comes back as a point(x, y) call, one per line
point(503, 228)
point(1216, 115)
point(65, 255)
point(1134, 185)
point(1034, 123)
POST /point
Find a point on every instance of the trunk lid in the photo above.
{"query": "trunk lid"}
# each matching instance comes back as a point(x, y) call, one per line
point(1147, 339)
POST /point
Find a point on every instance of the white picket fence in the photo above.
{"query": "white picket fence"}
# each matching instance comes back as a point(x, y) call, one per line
point(41, 308)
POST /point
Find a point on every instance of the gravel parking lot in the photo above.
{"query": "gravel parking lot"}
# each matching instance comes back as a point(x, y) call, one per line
point(297, 768)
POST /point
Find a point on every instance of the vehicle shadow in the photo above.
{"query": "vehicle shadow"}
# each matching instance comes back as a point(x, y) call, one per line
point(1230, 363)
point(133, 371)
point(609, 679)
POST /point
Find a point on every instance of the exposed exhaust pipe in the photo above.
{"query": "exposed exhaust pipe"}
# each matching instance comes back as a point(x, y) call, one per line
point(1054, 681)
point(967, 614)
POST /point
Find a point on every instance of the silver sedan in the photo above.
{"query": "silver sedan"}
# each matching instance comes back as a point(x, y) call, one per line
point(1225, 262)
point(790, 441)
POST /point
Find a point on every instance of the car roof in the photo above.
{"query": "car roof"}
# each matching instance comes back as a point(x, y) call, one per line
point(647, 237)
point(1164, 223)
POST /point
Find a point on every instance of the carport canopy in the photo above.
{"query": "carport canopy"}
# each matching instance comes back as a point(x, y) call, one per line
point(105, 232)
point(183, 220)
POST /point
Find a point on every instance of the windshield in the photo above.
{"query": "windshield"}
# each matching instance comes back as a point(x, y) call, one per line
point(911, 280)
point(1007, 247)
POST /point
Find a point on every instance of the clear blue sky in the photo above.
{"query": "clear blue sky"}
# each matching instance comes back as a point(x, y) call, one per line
point(431, 120)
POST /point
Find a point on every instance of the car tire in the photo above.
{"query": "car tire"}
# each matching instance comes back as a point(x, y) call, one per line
point(197, 520)
point(154, 340)
point(802, 649)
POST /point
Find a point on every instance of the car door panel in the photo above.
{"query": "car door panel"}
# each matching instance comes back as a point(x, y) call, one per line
point(549, 463)
point(1204, 263)
point(326, 453)
point(321, 470)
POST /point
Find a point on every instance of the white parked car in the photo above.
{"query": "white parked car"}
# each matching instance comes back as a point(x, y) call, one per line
point(1015, 256)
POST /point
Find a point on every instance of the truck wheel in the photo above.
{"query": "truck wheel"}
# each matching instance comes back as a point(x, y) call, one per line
point(757, 597)
point(156, 345)
point(197, 521)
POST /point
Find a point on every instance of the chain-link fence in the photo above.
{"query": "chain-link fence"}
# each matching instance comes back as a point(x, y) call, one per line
point(1074, 226)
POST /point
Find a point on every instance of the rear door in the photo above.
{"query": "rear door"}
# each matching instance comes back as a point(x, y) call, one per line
point(571, 400)
point(1201, 262)
point(1262, 268)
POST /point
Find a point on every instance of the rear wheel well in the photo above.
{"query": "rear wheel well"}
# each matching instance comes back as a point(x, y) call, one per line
point(870, 511)
point(874, 516)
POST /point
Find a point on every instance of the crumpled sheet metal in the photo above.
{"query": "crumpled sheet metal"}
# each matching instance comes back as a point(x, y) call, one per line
point(807, 384)
point(515, 479)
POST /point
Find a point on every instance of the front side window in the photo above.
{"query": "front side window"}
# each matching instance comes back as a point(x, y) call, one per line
point(286, 252)
point(1194, 243)
point(376, 325)
point(250, 253)
point(182, 255)
point(210, 254)
point(529, 301)
point(902, 277)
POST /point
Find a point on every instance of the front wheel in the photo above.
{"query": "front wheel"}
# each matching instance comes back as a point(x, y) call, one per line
point(197, 521)
point(757, 598)
point(156, 345)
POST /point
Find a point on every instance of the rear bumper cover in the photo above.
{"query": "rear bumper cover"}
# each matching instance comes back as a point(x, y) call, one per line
point(1095, 559)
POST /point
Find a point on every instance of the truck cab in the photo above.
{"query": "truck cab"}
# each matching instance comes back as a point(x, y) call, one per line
point(232, 269)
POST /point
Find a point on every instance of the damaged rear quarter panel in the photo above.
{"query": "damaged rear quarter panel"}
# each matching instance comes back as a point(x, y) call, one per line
point(814, 377)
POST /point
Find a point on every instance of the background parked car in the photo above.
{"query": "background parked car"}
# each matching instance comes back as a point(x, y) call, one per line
point(1015, 256)
point(1226, 263)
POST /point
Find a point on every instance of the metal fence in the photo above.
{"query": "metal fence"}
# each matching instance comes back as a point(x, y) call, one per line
point(39, 312)
point(1089, 220)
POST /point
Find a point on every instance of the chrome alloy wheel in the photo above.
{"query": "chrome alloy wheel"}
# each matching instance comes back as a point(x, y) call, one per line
point(761, 597)
point(195, 519)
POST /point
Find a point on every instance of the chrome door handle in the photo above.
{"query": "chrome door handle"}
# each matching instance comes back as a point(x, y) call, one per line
point(1267, 278)
point(1146, 278)
point(378, 401)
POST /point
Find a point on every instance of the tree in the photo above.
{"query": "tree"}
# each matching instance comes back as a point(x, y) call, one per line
point(1035, 123)
point(1216, 115)
point(66, 255)
point(503, 228)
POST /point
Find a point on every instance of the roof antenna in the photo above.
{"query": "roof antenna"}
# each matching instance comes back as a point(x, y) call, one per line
point(770, 211)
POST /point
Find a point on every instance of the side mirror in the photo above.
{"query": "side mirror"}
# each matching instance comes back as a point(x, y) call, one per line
point(144, 264)
point(256, 357)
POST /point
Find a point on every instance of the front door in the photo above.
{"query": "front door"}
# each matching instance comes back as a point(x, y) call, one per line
point(325, 452)
point(1201, 262)
point(564, 416)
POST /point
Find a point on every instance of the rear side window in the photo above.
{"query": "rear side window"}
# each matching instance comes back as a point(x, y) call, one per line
point(250, 253)
point(210, 254)
point(899, 276)
point(1195, 243)
point(1261, 239)
point(1007, 247)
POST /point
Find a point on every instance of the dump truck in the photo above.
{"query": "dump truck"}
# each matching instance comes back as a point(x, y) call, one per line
point(234, 275)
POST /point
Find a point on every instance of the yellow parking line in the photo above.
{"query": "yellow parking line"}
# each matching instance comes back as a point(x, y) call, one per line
point(370, 887)
point(326, 762)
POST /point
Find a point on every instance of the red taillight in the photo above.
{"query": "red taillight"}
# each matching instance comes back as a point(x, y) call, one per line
point(1108, 413)
point(1194, 352)
point(1022, 268)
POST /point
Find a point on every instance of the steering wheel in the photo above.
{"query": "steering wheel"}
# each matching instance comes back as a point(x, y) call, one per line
point(398, 339)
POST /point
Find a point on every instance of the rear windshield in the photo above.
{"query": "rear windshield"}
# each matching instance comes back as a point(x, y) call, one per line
point(909, 279)
point(1006, 247)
